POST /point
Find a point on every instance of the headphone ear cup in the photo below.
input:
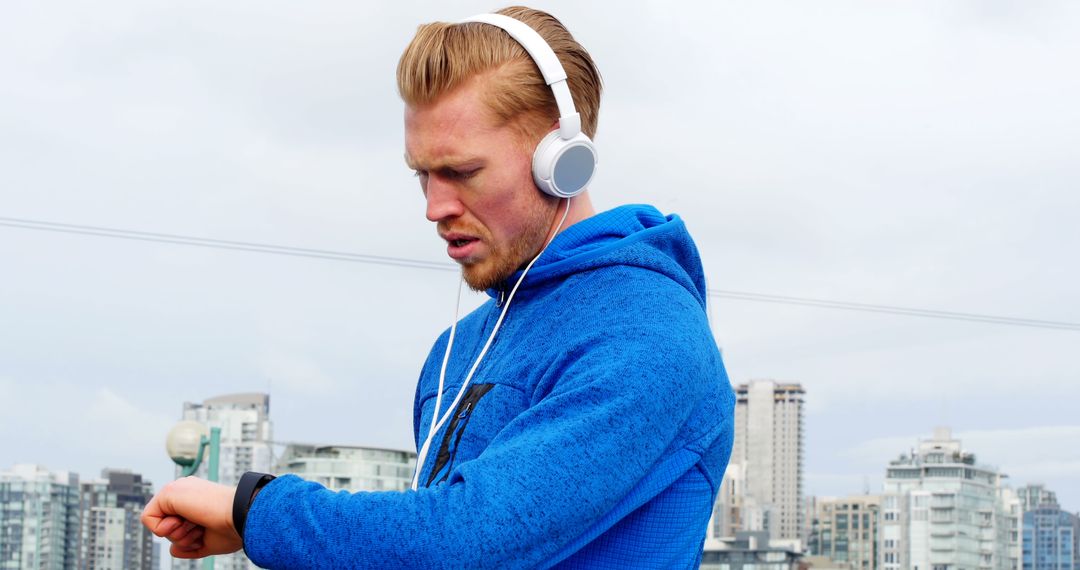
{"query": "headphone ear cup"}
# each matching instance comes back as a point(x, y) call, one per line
point(563, 168)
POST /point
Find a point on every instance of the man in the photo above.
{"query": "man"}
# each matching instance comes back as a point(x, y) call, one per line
point(581, 418)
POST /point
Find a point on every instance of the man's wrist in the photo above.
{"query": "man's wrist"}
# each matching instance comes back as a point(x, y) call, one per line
point(249, 485)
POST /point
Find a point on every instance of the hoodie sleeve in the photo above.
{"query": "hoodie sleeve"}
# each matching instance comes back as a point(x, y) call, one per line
point(603, 436)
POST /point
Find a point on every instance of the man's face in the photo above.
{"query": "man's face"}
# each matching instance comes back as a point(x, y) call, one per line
point(477, 178)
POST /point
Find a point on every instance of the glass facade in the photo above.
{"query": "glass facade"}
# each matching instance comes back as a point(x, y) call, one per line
point(1051, 539)
point(39, 519)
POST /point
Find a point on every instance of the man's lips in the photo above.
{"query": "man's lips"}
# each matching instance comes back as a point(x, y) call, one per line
point(460, 246)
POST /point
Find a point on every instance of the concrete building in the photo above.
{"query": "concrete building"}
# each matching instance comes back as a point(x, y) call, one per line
point(246, 433)
point(845, 530)
point(751, 550)
point(39, 519)
point(768, 451)
point(111, 535)
point(1051, 538)
point(942, 511)
point(349, 468)
point(1012, 506)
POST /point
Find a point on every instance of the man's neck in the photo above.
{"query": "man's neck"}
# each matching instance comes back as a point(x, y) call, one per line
point(581, 208)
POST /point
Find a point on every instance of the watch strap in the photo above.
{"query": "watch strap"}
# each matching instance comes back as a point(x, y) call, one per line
point(249, 484)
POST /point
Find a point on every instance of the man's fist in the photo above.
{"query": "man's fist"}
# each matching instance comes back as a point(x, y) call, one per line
point(196, 516)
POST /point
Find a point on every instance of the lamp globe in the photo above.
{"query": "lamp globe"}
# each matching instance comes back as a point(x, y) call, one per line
point(184, 440)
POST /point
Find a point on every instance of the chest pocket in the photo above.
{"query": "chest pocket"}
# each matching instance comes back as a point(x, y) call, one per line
point(444, 461)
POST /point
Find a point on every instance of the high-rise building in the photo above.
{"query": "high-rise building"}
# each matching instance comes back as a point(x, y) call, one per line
point(727, 518)
point(1051, 537)
point(1013, 524)
point(846, 530)
point(768, 451)
point(246, 431)
point(39, 519)
point(111, 535)
point(245, 425)
point(349, 468)
point(942, 511)
point(1034, 495)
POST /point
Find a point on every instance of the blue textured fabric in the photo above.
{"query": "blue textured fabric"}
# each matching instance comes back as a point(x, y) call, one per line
point(595, 434)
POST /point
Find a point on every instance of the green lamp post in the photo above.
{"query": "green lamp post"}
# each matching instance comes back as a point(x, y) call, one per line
point(186, 445)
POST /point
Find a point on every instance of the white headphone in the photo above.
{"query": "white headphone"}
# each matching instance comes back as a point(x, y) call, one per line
point(565, 160)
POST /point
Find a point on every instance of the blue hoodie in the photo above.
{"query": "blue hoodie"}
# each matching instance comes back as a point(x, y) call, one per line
point(594, 434)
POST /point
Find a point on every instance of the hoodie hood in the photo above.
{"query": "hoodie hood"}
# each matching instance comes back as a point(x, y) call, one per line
point(634, 235)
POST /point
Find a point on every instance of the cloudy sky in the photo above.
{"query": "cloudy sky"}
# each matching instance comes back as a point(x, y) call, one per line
point(917, 154)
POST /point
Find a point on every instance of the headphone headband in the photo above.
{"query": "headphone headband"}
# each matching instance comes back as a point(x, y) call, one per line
point(546, 60)
point(565, 160)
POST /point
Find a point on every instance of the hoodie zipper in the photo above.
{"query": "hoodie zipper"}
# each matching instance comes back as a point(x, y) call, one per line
point(444, 460)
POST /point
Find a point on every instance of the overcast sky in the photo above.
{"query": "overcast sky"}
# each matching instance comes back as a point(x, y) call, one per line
point(919, 154)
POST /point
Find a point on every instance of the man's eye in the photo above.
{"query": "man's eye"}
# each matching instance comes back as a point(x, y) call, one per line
point(458, 175)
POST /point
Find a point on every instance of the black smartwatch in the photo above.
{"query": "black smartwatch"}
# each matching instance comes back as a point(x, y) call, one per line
point(249, 484)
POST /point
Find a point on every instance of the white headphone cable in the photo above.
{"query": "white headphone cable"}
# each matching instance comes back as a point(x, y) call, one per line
point(421, 457)
point(446, 357)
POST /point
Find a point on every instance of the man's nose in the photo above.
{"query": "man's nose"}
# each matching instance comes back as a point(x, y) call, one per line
point(443, 200)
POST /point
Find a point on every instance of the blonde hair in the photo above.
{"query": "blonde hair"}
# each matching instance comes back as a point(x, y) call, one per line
point(443, 56)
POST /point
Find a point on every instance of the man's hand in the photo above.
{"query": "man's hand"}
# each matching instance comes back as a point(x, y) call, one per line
point(196, 516)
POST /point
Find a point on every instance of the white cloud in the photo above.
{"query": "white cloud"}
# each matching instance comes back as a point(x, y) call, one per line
point(113, 422)
point(65, 426)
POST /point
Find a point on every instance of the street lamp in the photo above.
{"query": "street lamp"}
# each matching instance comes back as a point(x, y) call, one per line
point(186, 442)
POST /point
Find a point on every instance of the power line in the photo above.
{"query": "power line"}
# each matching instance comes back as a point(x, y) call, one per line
point(893, 310)
point(222, 244)
point(420, 264)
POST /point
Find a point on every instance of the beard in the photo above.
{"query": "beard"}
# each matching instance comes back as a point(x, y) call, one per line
point(506, 258)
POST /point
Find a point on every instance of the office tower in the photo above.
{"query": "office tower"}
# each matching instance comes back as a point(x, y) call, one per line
point(845, 530)
point(39, 519)
point(245, 425)
point(769, 452)
point(1034, 495)
point(1051, 536)
point(943, 511)
point(349, 468)
point(111, 534)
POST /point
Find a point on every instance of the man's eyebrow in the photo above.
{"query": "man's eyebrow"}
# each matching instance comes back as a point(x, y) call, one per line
point(449, 163)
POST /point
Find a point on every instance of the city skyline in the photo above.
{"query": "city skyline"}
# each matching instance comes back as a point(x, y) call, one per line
point(917, 155)
point(901, 446)
point(942, 476)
